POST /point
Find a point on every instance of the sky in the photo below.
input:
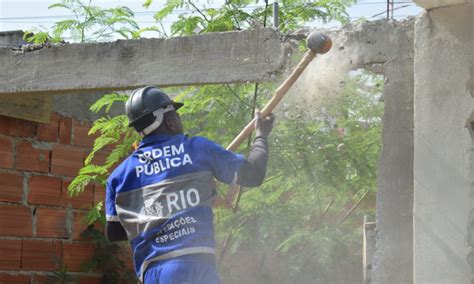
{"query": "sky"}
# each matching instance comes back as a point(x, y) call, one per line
point(25, 15)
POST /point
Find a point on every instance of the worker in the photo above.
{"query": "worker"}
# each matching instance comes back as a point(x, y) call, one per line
point(160, 197)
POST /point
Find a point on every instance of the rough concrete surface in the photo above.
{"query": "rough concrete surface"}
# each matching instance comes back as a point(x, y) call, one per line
point(77, 106)
point(30, 107)
point(393, 259)
point(385, 47)
point(11, 39)
point(443, 147)
point(433, 4)
point(126, 64)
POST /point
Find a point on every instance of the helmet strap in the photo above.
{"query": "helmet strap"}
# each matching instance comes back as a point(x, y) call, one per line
point(159, 114)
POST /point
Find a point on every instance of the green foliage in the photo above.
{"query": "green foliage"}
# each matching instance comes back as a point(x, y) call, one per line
point(90, 23)
point(61, 275)
point(321, 158)
point(112, 131)
point(244, 14)
point(106, 259)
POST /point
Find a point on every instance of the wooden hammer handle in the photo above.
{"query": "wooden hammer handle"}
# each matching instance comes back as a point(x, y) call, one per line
point(275, 100)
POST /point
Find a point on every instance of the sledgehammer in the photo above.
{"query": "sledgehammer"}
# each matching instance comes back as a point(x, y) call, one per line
point(317, 44)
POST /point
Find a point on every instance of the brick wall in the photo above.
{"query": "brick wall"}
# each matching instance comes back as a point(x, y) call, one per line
point(39, 223)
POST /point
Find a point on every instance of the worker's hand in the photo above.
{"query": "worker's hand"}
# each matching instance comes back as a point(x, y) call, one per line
point(263, 125)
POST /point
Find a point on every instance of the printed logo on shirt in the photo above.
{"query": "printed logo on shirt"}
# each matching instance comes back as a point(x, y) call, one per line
point(153, 208)
point(158, 160)
point(166, 204)
point(176, 229)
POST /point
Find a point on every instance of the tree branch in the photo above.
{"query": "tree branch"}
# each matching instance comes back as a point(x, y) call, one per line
point(199, 11)
point(237, 96)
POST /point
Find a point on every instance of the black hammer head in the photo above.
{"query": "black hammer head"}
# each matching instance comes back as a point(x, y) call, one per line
point(318, 42)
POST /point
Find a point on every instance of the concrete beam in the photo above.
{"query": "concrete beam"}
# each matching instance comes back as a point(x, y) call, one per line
point(126, 64)
point(30, 107)
point(433, 4)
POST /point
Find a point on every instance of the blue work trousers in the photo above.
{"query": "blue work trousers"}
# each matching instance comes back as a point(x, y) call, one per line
point(187, 269)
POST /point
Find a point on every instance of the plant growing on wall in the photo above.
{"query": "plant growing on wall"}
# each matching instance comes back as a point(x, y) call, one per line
point(89, 23)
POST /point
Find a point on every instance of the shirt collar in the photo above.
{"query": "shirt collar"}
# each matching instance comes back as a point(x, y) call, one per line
point(156, 138)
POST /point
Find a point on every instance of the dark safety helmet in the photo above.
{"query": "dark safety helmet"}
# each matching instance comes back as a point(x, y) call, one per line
point(145, 108)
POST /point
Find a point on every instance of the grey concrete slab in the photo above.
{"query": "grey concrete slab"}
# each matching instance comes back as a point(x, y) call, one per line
point(11, 39)
point(126, 64)
point(433, 4)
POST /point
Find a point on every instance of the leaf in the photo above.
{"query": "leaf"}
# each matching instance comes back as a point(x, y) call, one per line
point(147, 3)
point(95, 214)
point(167, 9)
point(62, 26)
point(107, 101)
point(58, 5)
point(79, 183)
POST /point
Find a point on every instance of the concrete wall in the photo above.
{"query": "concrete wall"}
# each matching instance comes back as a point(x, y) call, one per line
point(443, 167)
point(393, 259)
point(11, 39)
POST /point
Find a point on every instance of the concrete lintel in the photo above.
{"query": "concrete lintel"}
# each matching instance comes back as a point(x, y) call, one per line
point(374, 42)
point(433, 4)
point(126, 64)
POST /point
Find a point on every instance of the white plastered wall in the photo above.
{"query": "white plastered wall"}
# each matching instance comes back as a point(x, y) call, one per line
point(443, 146)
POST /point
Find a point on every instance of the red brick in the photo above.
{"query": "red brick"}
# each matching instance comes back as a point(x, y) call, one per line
point(41, 279)
point(65, 130)
point(125, 254)
point(84, 200)
point(51, 223)
point(15, 221)
point(6, 153)
point(89, 280)
point(11, 187)
point(99, 227)
point(79, 225)
point(100, 157)
point(99, 193)
point(10, 254)
point(126, 281)
point(40, 255)
point(14, 278)
point(75, 254)
point(81, 135)
point(66, 160)
point(44, 190)
point(29, 158)
point(17, 127)
point(48, 132)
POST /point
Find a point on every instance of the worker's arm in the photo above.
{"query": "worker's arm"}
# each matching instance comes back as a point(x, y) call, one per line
point(115, 232)
point(253, 170)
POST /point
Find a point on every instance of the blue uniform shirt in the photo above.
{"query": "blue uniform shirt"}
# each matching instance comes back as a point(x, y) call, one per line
point(162, 195)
